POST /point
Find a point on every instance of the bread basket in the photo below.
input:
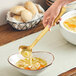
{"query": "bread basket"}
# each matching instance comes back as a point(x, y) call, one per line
point(24, 25)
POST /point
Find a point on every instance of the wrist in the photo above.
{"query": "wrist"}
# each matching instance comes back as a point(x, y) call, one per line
point(60, 3)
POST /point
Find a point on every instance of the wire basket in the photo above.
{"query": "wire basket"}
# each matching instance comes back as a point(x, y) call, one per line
point(25, 26)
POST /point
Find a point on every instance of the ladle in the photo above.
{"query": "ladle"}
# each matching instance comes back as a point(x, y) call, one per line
point(24, 49)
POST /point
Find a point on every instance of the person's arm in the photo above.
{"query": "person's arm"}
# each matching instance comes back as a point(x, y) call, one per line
point(52, 12)
point(64, 2)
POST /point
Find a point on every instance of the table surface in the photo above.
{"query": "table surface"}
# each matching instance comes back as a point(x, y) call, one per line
point(8, 34)
point(64, 52)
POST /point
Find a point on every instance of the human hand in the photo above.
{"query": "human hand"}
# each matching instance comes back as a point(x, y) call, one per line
point(51, 13)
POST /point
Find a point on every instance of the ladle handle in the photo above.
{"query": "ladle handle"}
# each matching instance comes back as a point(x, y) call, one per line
point(46, 29)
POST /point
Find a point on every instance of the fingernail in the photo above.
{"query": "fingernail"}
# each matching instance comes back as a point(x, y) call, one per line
point(48, 26)
point(50, 29)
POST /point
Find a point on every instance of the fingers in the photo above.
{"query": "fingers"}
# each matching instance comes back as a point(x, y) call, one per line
point(50, 23)
point(49, 17)
point(58, 21)
point(51, 20)
point(45, 19)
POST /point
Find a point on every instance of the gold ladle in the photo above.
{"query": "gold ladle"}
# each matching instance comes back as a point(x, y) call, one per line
point(24, 49)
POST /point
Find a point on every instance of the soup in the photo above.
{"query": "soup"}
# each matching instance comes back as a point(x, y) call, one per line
point(37, 63)
point(30, 62)
point(70, 24)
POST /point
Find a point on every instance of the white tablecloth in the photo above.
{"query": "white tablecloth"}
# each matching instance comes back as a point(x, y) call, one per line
point(64, 52)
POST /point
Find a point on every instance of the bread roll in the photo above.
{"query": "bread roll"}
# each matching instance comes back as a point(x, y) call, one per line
point(17, 10)
point(40, 9)
point(18, 18)
point(31, 7)
point(26, 15)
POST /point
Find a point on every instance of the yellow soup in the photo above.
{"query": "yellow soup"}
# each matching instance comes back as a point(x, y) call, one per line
point(37, 63)
point(70, 24)
point(30, 62)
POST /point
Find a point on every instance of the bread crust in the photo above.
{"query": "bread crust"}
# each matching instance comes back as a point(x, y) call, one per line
point(31, 7)
point(18, 18)
point(17, 10)
point(26, 15)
